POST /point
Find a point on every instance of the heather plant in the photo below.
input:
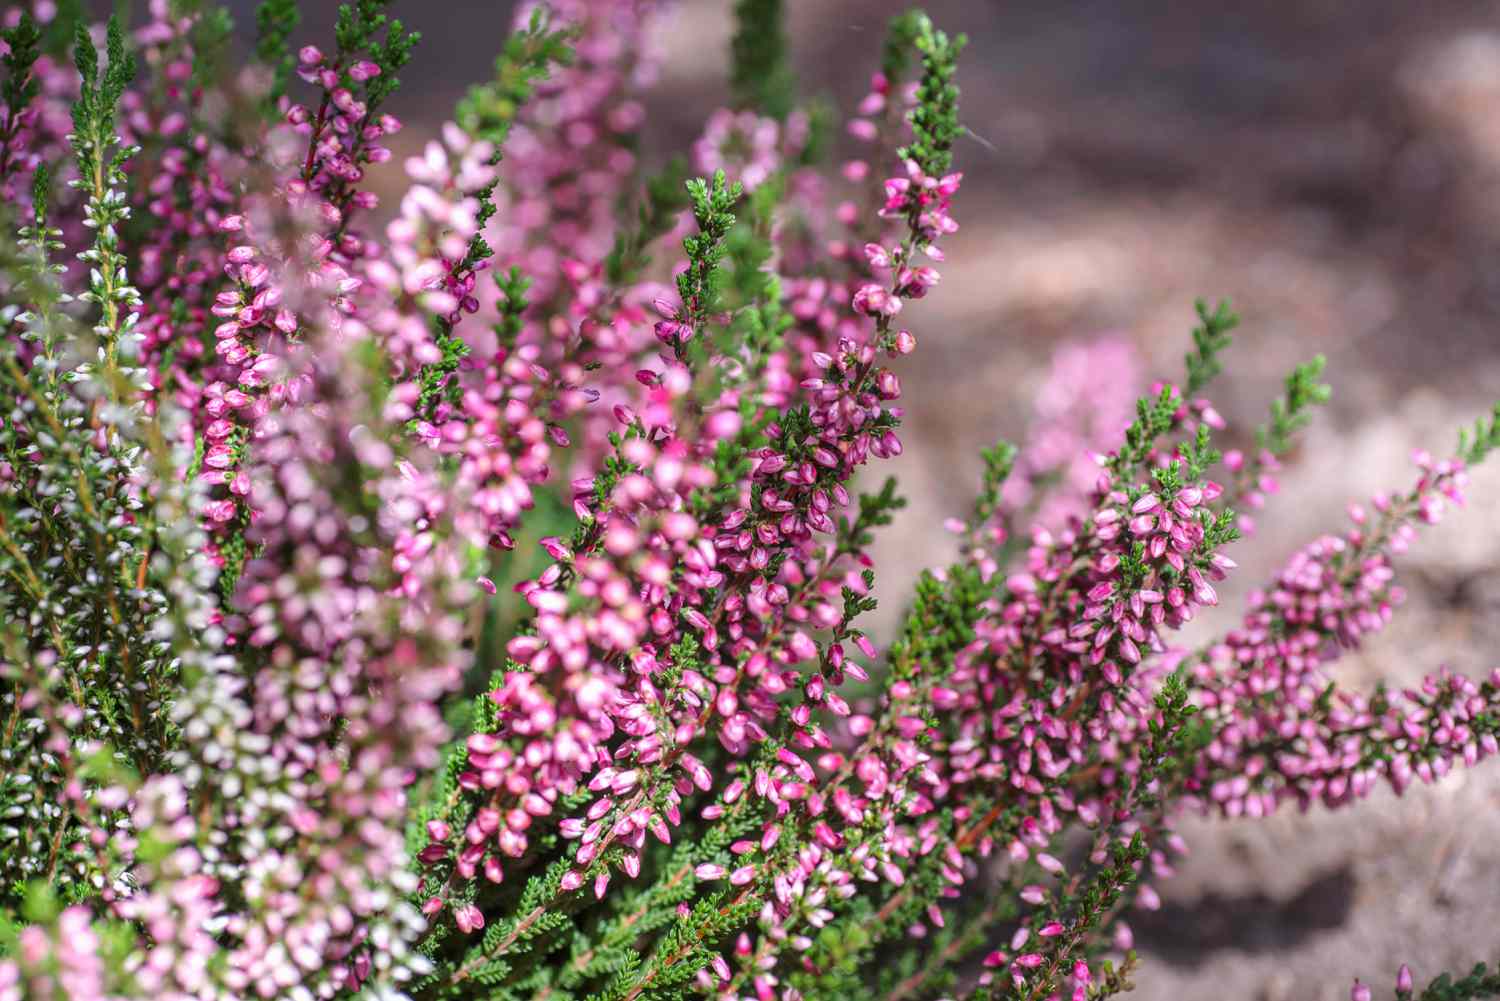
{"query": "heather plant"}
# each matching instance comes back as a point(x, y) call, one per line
point(464, 598)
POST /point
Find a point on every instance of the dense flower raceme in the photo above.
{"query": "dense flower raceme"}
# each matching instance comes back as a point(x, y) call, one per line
point(284, 716)
point(1280, 732)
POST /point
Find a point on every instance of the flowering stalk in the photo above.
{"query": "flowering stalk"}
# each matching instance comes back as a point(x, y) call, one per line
point(1270, 686)
point(101, 178)
point(75, 535)
point(760, 67)
point(20, 88)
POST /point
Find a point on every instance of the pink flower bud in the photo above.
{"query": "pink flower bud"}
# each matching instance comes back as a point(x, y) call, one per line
point(468, 918)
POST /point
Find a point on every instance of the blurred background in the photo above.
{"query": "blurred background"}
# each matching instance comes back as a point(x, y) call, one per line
point(1334, 169)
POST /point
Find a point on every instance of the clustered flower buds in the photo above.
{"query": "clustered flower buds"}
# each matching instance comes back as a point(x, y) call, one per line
point(465, 601)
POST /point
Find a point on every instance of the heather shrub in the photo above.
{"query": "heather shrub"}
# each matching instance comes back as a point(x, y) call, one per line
point(462, 598)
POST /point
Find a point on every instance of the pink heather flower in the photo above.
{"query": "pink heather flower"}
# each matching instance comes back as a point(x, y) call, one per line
point(744, 145)
point(364, 70)
point(1081, 410)
point(468, 918)
point(874, 300)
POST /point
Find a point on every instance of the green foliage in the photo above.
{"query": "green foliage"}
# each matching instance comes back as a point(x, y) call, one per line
point(101, 159)
point(1481, 982)
point(435, 378)
point(41, 190)
point(1474, 446)
point(846, 952)
point(934, 120)
point(1289, 413)
point(20, 87)
point(99, 98)
point(1196, 456)
point(687, 947)
point(876, 510)
point(530, 924)
point(34, 281)
point(701, 284)
point(749, 250)
point(940, 623)
point(665, 197)
point(42, 907)
point(235, 549)
point(1111, 980)
point(1154, 417)
point(358, 29)
point(900, 42)
point(512, 286)
point(751, 327)
point(822, 120)
point(643, 913)
point(59, 34)
point(275, 23)
point(489, 110)
point(211, 34)
point(999, 459)
point(1210, 338)
point(760, 71)
point(1173, 736)
point(76, 604)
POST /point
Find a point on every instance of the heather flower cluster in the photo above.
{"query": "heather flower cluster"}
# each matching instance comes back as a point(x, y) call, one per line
point(462, 597)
